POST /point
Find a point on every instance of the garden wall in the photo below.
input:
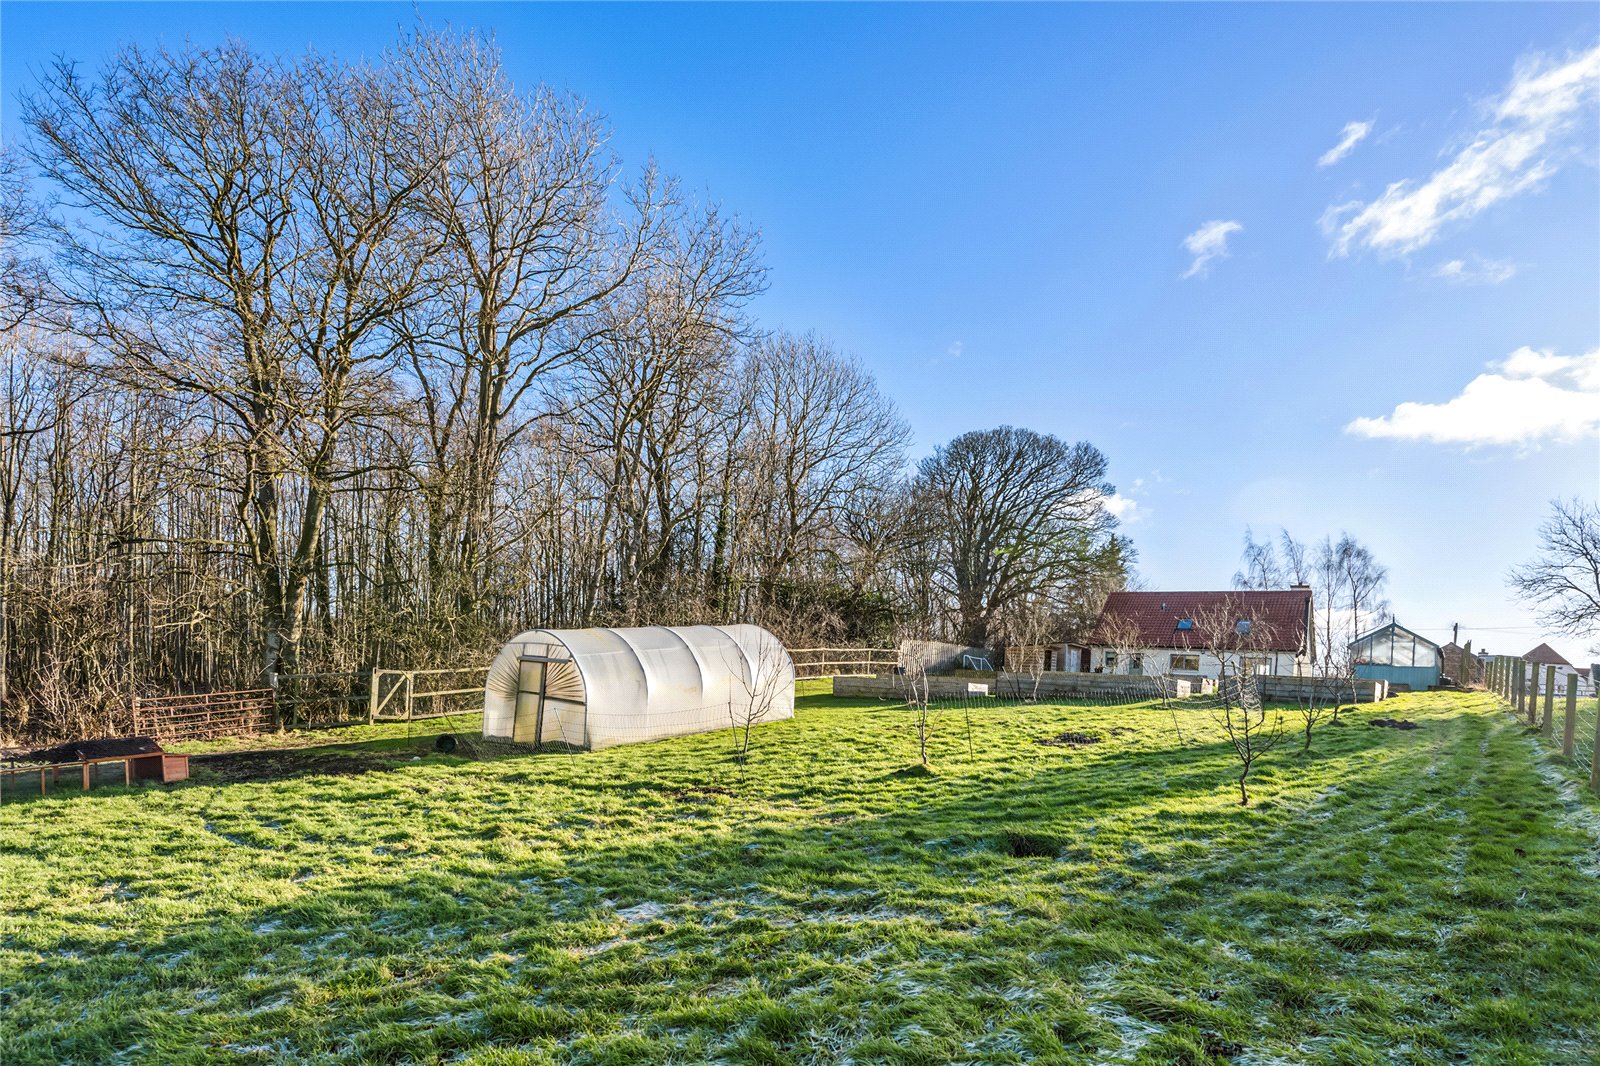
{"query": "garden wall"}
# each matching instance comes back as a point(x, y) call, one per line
point(1051, 686)
point(1292, 689)
point(1056, 685)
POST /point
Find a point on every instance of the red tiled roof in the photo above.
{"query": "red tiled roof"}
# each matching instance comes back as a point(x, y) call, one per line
point(1280, 615)
point(1545, 655)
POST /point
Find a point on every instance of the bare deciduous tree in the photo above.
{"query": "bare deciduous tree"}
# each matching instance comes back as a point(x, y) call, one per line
point(1562, 582)
point(1233, 636)
point(914, 686)
point(1014, 514)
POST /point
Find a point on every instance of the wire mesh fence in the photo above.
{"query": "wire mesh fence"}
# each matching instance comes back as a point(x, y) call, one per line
point(1560, 708)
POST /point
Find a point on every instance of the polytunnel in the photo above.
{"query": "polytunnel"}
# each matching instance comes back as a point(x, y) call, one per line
point(595, 688)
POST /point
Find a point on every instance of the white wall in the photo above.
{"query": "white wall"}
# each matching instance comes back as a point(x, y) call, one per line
point(1585, 687)
point(1279, 664)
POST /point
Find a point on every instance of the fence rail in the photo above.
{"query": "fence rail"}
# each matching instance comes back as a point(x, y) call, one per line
point(394, 695)
point(842, 662)
point(205, 715)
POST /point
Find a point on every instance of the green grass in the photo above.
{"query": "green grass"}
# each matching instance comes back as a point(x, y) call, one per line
point(1421, 896)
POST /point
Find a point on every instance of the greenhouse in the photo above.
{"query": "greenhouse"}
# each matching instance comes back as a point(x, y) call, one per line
point(1395, 654)
point(595, 688)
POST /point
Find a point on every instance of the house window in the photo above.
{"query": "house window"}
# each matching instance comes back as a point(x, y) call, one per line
point(1186, 623)
point(1242, 626)
point(1190, 663)
point(1110, 661)
point(1252, 665)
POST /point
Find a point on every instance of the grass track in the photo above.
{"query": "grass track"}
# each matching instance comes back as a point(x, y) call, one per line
point(1402, 897)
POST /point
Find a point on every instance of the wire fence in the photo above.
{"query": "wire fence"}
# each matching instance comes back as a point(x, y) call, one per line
point(1550, 701)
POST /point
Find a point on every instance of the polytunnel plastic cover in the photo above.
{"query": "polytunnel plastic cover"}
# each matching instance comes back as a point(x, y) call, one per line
point(596, 688)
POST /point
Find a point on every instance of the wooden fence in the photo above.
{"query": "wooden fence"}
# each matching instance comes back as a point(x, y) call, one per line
point(205, 715)
point(1539, 695)
point(843, 662)
point(412, 695)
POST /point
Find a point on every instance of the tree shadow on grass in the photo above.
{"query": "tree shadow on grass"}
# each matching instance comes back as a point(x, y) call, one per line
point(560, 945)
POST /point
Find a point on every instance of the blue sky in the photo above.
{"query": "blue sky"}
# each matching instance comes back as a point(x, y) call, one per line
point(990, 204)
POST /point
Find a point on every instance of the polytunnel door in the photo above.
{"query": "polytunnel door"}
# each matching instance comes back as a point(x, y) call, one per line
point(528, 724)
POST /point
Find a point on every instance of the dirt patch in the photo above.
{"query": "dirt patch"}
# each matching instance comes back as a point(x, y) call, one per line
point(278, 765)
point(1394, 723)
point(1022, 845)
point(1072, 739)
point(1069, 739)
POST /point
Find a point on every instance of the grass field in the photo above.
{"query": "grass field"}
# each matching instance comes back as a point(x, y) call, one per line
point(1427, 896)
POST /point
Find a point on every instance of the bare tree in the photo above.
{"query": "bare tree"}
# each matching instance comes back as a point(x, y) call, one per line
point(530, 248)
point(824, 439)
point(1328, 583)
point(244, 242)
point(1026, 628)
point(1233, 636)
point(914, 686)
point(1260, 568)
point(1562, 582)
point(763, 679)
point(1013, 514)
point(1364, 581)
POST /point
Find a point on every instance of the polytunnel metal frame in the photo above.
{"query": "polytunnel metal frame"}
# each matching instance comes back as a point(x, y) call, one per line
point(634, 685)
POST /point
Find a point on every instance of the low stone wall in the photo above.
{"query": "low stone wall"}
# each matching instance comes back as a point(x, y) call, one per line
point(893, 688)
point(1292, 689)
point(1058, 685)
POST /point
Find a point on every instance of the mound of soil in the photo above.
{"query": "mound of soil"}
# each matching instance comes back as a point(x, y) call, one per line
point(107, 748)
point(1394, 723)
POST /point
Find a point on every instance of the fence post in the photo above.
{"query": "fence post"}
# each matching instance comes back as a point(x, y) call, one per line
point(1547, 726)
point(1594, 765)
point(1519, 683)
point(1569, 730)
point(372, 697)
point(410, 677)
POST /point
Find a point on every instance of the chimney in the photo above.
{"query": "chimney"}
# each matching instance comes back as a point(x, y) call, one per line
point(1300, 586)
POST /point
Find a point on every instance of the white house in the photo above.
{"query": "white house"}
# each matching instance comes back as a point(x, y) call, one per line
point(1273, 632)
point(1544, 655)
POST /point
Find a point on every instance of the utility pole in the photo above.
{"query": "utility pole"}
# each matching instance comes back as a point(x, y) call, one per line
point(1455, 632)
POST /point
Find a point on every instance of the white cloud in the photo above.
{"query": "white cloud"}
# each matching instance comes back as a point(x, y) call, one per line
point(1352, 134)
point(1528, 397)
point(951, 354)
point(1524, 144)
point(1207, 244)
point(1124, 509)
point(1478, 272)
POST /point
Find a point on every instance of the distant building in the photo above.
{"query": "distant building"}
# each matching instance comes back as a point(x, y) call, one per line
point(1460, 664)
point(1160, 632)
point(1544, 655)
point(1395, 654)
